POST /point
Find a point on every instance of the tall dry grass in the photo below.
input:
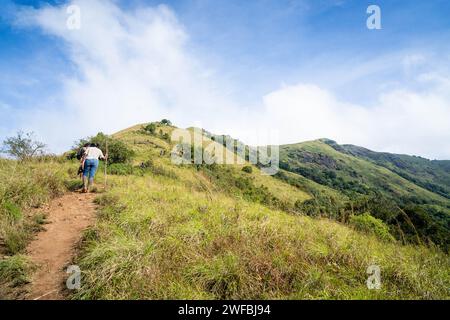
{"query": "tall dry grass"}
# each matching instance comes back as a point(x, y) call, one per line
point(157, 238)
point(24, 188)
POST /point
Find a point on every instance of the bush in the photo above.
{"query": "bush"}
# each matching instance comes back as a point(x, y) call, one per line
point(369, 224)
point(166, 137)
point(247, 169)
point(118, 151)
point(150, 128)
point(14, 270)
point(15, 238)
point(73, 184)
point(146, 164)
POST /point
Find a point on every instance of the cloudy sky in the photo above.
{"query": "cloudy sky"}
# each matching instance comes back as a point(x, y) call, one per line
point(294, 69)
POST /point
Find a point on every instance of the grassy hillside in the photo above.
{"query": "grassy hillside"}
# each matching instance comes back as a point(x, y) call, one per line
point(325, 165)
point(227, 178)
point(160, 238)
point(368, 182)
point(168, 231)
point(218, 232)
point(433, 175)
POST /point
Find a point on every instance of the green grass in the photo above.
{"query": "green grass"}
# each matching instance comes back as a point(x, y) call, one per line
point(159, 239)
point(25, 187)
point(213, 232)
point(366, 181)
point(15, 272)
point(201, 233)
point(317, 155)
point(433, 175)
point(371, 225)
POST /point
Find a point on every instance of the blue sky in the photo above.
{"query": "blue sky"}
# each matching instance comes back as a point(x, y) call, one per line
point(304, 60)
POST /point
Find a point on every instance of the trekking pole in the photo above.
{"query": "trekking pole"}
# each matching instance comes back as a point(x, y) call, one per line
point(106, 163)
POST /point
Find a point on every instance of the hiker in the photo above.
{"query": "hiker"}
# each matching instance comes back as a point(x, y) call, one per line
point(90, 165)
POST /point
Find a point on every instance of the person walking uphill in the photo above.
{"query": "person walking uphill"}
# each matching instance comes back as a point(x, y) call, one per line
point(90, 165)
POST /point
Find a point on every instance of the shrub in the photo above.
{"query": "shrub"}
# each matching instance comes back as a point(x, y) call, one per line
point(146, 164)
point(14, 270)
point(150, 128)
point(106, 200)
point(321, 204)
point(15, 238)
point(73, 184)
point(369, 224)
point(72, 154)
point(166, 136)
point(247, 169)
point(118, 151)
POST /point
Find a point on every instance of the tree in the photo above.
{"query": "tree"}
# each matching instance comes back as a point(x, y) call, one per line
point(23, 146)
point(166, 122)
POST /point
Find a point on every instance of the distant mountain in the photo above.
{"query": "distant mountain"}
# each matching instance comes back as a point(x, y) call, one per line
point(433, 175)
point(406, 191)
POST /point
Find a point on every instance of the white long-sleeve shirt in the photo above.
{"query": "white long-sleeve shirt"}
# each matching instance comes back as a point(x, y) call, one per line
point(93, 153)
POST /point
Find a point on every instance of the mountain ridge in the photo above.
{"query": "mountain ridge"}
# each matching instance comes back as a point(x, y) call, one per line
point(338, 181)
point(318, 178)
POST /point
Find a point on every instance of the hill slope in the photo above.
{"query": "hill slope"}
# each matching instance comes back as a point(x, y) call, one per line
point(170, 231)
point(433, 175)
point(403, 191)
point(190, 231)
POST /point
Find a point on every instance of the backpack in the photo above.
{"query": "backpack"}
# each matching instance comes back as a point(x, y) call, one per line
point(81, 153)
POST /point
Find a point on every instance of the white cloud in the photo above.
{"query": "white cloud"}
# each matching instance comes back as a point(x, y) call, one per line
point(399, 121)
point(137, 66)
point(132, 67)
point(413, 60)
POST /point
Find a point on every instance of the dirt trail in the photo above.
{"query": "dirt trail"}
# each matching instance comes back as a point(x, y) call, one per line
point(53, 249)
